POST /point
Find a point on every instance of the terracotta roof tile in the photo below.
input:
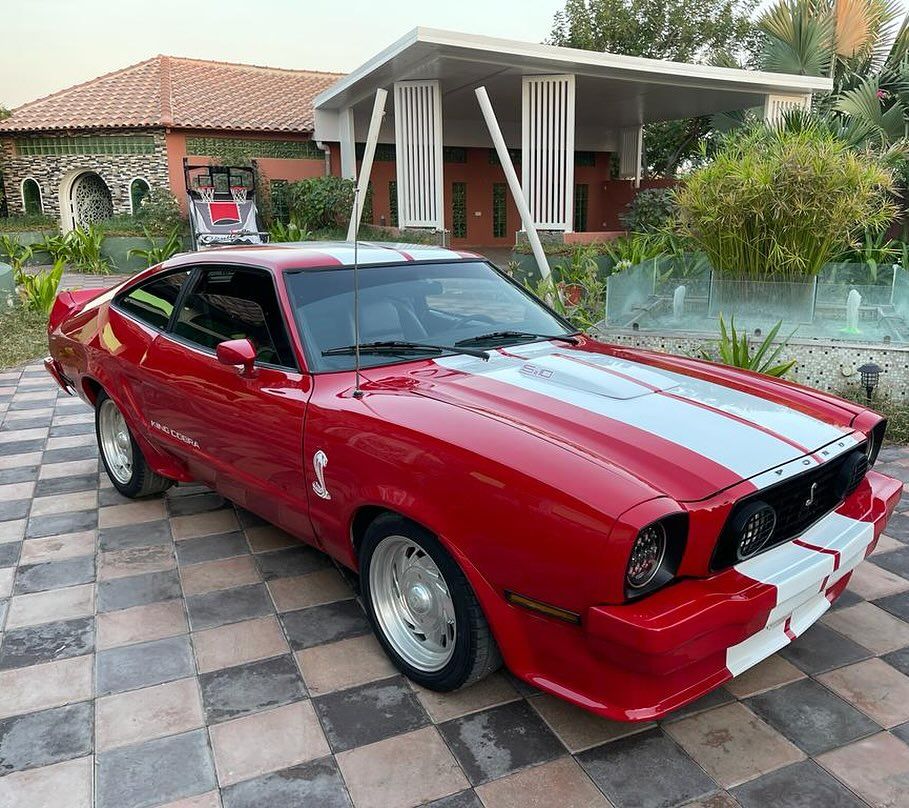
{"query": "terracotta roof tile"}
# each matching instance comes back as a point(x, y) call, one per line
point(185, 93)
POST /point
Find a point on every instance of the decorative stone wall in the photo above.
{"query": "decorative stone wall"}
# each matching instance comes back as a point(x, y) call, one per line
point(830, 366)
point(117, 170)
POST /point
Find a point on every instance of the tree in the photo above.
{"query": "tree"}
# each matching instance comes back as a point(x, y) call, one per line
point(715, 31)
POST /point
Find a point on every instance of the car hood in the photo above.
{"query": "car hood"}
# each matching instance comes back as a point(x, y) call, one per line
point(687, 436)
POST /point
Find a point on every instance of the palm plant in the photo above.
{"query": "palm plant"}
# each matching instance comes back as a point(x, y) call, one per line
point(156, 252)
point(17, 254)
point(734, 349)
point(41, 288)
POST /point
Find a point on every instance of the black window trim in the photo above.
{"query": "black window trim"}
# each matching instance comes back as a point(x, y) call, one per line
point(428, 262)
point(195, 271)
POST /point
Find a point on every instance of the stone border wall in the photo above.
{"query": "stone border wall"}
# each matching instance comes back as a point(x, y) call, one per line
point(830, 366)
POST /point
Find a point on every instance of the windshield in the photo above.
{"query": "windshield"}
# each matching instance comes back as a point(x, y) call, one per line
point(437, 303)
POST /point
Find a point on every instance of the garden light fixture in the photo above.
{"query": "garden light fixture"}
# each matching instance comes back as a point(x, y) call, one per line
point(871, 375)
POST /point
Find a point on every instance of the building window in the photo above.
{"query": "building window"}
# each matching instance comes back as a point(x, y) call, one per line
point(247, 148)
point(385, 152)
point(280, 208)
point(85, 144)
point(581, 197)
point(515, 155)
point(459, 210)
point(138, 190)
point(499, 210)
point(393, 203)
point(31, 197)
point(585, 158)
point(454, 154)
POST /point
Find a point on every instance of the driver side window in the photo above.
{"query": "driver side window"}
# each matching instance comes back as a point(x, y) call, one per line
point(227, 303)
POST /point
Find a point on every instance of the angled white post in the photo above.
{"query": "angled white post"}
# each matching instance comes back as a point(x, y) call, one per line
point(372, 137)
point(512, 178)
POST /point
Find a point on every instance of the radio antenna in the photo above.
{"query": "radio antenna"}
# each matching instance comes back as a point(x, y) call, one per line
point(358, 393)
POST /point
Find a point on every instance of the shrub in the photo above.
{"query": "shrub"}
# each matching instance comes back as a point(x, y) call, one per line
point(159, 211)
point(15, 253)
point(40, 288)
point(321, 203)
point(80, 248)
point(780, 204)
point(280, 232)
point(651, 210)
point(27, 222)
point(158, 251)
point(735, 349)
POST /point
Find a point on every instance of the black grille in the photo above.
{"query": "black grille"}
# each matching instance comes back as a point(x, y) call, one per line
point(799, 502)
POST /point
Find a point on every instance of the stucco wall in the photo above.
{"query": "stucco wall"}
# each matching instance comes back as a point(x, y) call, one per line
point(830, 366)
point(117, 170)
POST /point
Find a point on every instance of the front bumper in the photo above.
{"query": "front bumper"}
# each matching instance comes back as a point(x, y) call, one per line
point(641, 660)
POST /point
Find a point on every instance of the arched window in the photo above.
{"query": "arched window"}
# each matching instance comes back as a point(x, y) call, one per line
point(138, 190)
point(31, 197)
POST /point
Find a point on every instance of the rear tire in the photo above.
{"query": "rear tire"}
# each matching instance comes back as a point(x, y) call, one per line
point(122, 458)
point(422, 607)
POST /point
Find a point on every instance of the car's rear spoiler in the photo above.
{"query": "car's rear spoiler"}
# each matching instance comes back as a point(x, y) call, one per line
point(69, 302)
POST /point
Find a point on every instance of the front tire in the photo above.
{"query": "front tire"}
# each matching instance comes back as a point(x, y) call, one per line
point(121, 455)
point(422, 607)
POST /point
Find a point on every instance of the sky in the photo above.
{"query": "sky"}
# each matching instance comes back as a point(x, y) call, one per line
point(53, 44)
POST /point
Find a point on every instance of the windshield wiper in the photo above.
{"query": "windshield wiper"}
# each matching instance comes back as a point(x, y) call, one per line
point(402, 347)
point(494, 336)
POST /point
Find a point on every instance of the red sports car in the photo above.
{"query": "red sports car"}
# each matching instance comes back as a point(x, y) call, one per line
point(626, 530)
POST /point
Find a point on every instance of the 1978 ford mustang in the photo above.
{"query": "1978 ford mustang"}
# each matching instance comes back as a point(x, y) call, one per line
point(627, 530)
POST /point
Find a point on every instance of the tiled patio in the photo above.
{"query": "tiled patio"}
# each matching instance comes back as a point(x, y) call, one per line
point(176, 651)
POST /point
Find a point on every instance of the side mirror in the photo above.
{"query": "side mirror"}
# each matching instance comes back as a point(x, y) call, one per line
point(237, 352)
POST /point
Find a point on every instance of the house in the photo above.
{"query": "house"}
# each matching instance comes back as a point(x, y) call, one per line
point(572, 120)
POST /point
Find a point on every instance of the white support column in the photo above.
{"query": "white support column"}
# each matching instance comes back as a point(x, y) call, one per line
point(631, 154)
point(372, 137)
point(547, 144)
point(776, 106)
point(418, 154)
point(348, 144)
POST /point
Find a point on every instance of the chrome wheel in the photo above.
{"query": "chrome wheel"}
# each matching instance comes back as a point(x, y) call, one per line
point(115, 442)
point(412, 604)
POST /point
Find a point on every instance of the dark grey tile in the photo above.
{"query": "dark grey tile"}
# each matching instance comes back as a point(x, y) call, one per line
point(111, 496)
point(137, 590)
point(801, 785)
point(21, 446)
point(495, 742)
point(155, 772)
point(14, 509)
point(369, 713)
point(66, 485)
point(228, 606)
point(812, 717)
point(463, 799)
point(822, 649)
point(896, 561)
point(211, 548)
point(32, 404)
point(847, 598)
point(896, 604)
point(898, 527)
point(249, 519)
point(317, 784)
point(292, 561)
point(30, 646)
point(902, 732)
point(145, 664)
point(3, 605)
point(251, 687)
point(69, 454)
point(53, 524)
point(712, 699)
point(71, 430)
point(320, 624)
point(9, 553)
point(22, 474)
point(143, 534)
point(45, 737)
point(55, 574)
point(35, 422)
point(647, 769)
point(196, 503)
point(899, 660)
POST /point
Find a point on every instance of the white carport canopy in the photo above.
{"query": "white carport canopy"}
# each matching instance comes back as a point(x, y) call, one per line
point(594, 102)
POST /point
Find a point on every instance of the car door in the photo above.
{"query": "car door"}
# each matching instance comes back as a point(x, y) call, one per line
point(241, 433)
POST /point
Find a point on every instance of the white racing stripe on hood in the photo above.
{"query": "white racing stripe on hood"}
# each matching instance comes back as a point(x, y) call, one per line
point(744, 449)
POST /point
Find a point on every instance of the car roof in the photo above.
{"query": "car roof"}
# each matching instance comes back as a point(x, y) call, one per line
point(316, 254)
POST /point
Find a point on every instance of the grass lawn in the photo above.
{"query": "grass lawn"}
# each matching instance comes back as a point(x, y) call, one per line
point(23, 336)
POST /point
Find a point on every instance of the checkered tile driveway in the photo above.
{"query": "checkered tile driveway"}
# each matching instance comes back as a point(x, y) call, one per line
point(178, 651)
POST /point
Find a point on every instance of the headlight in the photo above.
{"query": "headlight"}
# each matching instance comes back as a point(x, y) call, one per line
point(647, 555)
point(753, 528)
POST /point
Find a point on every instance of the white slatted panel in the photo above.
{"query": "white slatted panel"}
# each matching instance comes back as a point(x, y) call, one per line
point(418, 143)
point(778, 105)
point(630, 153)
point(547, 145)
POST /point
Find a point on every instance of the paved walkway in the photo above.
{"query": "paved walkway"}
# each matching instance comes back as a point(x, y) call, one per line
point(178, 651)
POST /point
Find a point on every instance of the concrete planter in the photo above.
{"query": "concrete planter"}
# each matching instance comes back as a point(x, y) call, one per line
point(115, 249)
point(7, 285)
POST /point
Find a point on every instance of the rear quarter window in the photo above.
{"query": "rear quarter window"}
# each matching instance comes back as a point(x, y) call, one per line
point(153, 301)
